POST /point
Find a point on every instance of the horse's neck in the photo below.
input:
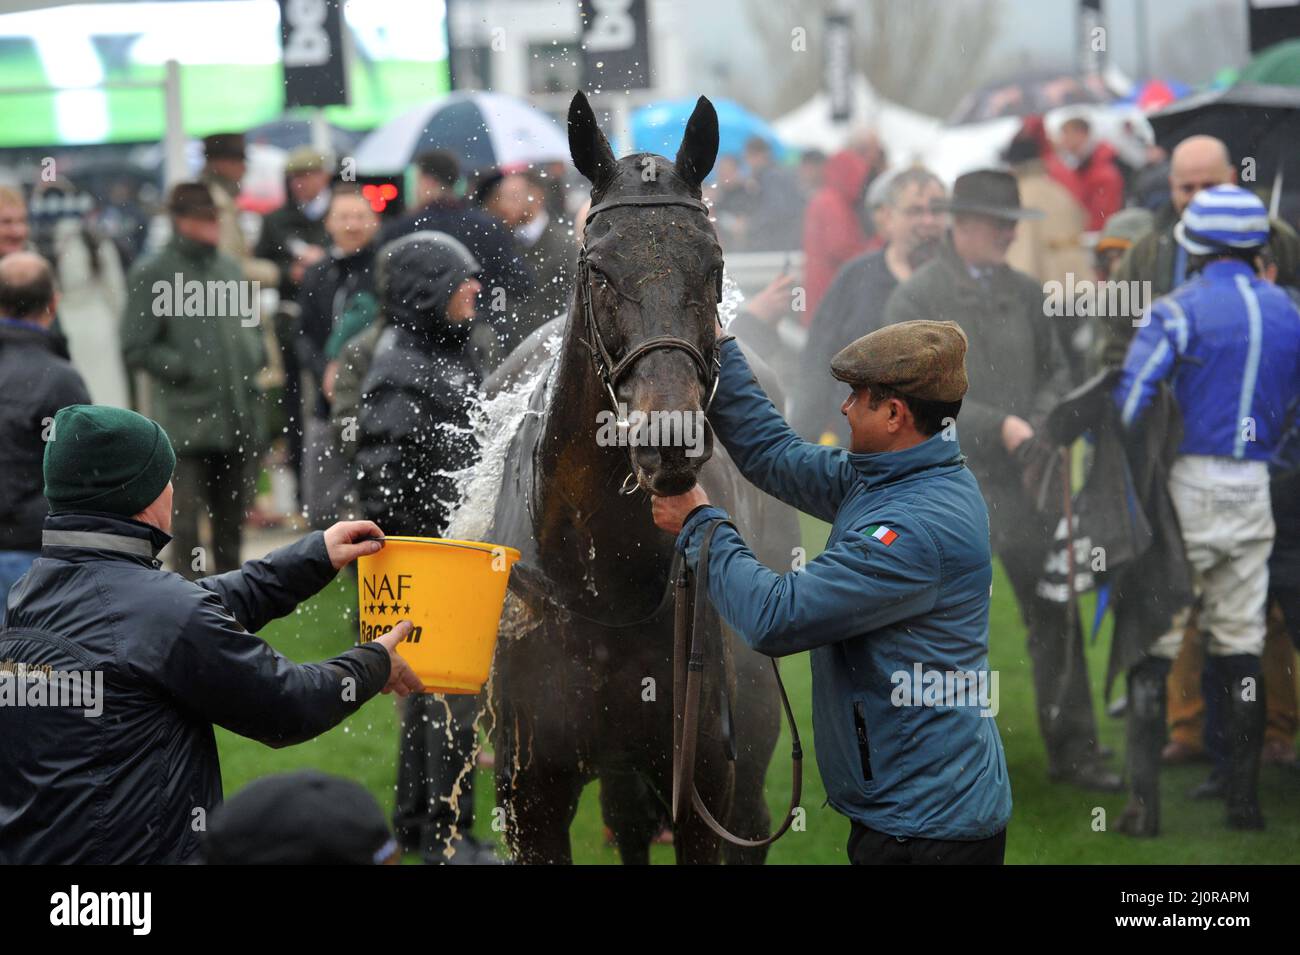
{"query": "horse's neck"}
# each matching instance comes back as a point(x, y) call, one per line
point(579, 511)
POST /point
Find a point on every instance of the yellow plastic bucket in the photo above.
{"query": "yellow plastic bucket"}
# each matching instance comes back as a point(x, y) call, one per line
point(452, 592)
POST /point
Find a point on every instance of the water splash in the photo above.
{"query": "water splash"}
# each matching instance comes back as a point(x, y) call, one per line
point(493, 423)
point(732, 299)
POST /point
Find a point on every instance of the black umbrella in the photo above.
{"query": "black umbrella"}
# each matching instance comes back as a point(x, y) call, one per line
point(1029, 94)
point(1260, 124)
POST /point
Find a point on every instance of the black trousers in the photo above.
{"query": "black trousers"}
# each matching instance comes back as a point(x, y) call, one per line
point(436, 750)
point(219, 485)
point(869, 847)
point(1064, 703)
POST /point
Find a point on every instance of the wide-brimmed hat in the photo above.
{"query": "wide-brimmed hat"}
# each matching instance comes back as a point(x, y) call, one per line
point(1222, 219)
point(224, 146)
point(987, 192)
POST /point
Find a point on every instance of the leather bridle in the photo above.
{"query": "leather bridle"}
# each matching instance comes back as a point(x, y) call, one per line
point(611, 371)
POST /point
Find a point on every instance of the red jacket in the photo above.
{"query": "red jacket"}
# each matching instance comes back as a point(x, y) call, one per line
point(832, 225)
point(1097, 184)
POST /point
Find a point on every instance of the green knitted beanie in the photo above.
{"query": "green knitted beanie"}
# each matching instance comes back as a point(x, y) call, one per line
point(100, 458)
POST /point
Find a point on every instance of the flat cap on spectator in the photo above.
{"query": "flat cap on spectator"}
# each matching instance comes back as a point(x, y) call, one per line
point(1124, 228)
point(924, 360)
point(305, 159)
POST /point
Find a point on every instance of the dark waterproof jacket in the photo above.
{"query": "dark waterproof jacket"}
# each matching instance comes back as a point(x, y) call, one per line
point(413, 426)
point(136, 783)
point(279, 230)
point(487, 239)
point(328, 289)
point(1014, 366)
point(36, 380)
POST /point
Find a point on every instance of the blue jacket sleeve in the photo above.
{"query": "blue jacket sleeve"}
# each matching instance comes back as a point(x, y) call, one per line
point(852, 588)
point(1149, 361)
point(811, 477)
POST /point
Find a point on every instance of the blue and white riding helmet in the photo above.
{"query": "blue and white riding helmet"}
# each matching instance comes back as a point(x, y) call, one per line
point(1221, 219)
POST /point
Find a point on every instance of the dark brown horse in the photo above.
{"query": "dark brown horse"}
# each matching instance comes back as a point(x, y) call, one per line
point(582, 681)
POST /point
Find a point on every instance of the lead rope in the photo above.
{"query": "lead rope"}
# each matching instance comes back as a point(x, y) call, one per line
point(688, 675)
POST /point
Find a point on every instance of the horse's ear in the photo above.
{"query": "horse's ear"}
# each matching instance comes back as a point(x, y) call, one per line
point(699, 148)
point(587, 144)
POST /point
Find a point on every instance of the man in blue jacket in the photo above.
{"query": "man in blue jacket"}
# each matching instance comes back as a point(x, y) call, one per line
point(895, 610)
point(1228, 343)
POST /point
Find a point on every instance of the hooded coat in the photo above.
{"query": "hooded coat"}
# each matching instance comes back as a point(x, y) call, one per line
point(832, 225)
point(414, 415)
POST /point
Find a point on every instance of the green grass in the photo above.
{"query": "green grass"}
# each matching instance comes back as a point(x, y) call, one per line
point(1050, 823)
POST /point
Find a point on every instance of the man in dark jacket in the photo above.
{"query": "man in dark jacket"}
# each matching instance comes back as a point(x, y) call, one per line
point(294, 238)
point(122, 668)
point(855, 303)
point(36, 380)
point(413, 435)
point(517, 200)
point(1017, 372)
point(490, 242)
point(191, 322)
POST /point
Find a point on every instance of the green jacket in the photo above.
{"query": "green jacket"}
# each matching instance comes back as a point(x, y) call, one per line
point(198, 347)
point(1153, 258)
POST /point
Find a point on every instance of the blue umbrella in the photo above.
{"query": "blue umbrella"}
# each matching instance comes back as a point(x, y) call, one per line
point(658, 127)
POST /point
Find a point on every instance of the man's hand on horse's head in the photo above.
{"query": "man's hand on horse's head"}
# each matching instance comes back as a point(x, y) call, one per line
point(671, 512)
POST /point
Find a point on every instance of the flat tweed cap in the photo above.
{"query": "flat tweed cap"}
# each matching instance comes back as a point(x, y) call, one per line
point(924, 360)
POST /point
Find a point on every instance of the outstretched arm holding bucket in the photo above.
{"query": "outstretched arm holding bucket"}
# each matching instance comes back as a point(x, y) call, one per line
point(236, 680)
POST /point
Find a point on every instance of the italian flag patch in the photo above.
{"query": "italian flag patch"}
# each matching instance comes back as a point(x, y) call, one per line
point(882, 533)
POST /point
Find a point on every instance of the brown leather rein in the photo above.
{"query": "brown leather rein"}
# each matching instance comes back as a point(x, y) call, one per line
point(689, 657)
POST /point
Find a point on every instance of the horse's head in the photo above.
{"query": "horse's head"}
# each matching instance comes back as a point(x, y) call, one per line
point(652, 279)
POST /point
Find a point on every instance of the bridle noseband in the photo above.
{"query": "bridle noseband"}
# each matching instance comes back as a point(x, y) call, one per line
point(610, 371)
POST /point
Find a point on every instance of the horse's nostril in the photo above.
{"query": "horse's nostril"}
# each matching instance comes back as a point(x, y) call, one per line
point(646, 458)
